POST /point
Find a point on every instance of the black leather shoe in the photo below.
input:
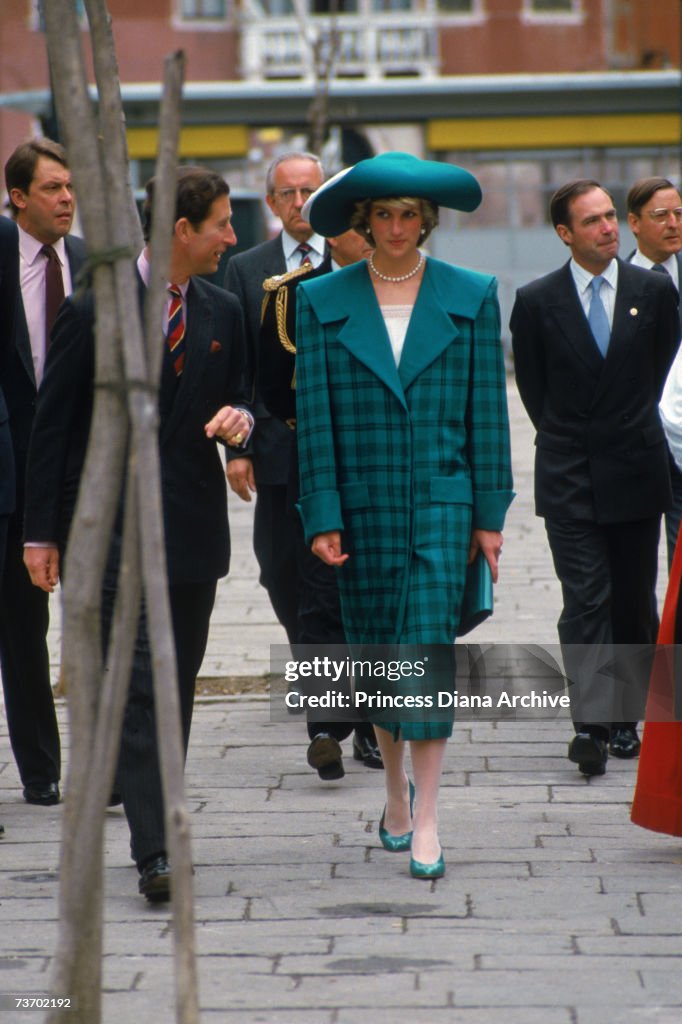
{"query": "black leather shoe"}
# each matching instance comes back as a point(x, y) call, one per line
point(366, 751)
point(624, 742)
point(45, 794)
point(589, 753)
point(154, 881)
point(324, 754)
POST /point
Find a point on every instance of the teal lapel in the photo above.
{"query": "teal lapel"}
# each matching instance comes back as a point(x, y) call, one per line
point(446, 291)
point(429, 333)
point(365, 336)
point(347, 295)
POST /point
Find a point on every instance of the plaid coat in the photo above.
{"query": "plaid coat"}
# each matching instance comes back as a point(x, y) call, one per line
point(404, 460)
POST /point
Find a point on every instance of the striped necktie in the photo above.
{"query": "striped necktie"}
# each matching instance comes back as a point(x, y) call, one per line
point(305, 251)
point(176, 329)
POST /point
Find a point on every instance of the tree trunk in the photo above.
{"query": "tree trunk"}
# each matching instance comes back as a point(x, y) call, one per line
point(125, 400)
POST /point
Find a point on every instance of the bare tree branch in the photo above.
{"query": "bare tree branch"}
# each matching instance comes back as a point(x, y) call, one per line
point(124, 399)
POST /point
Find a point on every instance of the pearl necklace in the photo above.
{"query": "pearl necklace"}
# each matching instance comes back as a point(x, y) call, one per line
point(403, 277)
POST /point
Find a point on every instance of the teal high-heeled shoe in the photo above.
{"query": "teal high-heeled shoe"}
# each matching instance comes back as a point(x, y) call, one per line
point(434, 870)
point(396, 843)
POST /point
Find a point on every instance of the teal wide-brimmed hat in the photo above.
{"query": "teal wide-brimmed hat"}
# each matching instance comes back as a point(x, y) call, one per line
point(330, 208)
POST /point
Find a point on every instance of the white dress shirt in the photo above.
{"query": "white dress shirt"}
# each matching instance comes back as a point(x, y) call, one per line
point(607, 293)
point(145, 272)
point(290, 245)
point(640, 260)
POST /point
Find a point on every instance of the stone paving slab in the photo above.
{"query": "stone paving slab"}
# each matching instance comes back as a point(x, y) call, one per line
point(554, 909)
point(303, 917)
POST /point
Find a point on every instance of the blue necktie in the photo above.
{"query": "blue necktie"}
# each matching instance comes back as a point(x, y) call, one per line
point(597, 318)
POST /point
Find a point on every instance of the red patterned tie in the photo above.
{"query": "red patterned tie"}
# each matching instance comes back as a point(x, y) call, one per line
point(305, 251)
point(176, 329)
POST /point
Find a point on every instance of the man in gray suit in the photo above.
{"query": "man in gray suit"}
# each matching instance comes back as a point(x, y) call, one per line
point(48, 259)
point(291, 180)
point(655, 219)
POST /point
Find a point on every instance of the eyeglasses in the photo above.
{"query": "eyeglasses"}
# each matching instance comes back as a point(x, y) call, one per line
point(287, 195)
point(661, 216)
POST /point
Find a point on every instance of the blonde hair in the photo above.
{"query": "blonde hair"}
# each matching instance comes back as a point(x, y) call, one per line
point(429, 213)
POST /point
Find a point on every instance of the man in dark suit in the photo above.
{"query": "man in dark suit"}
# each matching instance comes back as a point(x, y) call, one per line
point(592, 345)
point(291, 180)
point(202, 397)
point(319, 607)
point(655, 219)
point(38, 183)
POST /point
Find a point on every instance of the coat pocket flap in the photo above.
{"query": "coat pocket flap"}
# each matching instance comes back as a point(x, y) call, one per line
point(354, 495)
point(553, 443)
point(455, 490)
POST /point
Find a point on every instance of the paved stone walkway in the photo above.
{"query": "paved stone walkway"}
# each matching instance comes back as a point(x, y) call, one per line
point(554, 908)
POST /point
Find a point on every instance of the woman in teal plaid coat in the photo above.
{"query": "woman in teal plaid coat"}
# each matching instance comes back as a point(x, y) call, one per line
point(404, 443)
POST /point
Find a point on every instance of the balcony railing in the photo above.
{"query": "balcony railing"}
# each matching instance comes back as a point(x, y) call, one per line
point(363, 47)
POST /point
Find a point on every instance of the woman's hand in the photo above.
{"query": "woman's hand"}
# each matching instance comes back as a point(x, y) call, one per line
point(327, 546)
point(490, 543)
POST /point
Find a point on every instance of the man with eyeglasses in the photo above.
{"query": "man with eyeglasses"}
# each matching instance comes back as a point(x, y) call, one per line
point(655, 219)
point(264, 468)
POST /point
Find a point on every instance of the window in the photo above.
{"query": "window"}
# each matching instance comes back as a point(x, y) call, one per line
point(197, 10)
point(553, 6)
point(391, 5)
point(333, 6)
point(456, 6)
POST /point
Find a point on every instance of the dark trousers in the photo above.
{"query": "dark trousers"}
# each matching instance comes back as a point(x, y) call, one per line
point(319, 622)
point(138, 774)
point(608, 581)
point(274, 544)
point(25, 663)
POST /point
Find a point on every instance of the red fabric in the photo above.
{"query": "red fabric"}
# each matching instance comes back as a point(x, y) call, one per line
point(657, 803)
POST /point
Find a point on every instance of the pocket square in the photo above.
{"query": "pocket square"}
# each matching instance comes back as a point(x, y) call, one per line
point(216, 346)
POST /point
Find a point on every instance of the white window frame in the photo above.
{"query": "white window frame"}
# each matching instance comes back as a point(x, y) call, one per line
point(575, 16)
point(211, 23)
point(476, 16)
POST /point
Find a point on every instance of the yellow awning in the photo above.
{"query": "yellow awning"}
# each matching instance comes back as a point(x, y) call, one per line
point(196, 141)
point(547, 132)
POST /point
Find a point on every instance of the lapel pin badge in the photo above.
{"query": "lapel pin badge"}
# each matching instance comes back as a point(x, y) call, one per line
point(634, 311)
